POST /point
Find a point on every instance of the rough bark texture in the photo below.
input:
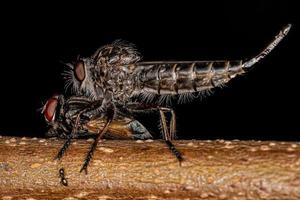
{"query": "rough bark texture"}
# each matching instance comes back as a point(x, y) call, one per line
point(147, 170)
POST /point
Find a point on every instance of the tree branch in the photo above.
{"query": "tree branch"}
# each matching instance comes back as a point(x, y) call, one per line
point(146, 169)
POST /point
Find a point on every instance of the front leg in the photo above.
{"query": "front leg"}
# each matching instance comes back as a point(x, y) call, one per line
point(110, 115)
point(76, 124)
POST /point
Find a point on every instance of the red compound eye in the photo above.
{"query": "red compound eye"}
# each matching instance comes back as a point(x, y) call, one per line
point(79, 70)
point(50, 108)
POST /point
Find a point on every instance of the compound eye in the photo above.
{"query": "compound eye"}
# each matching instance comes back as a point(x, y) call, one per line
point(50, 109)
point(79, 70)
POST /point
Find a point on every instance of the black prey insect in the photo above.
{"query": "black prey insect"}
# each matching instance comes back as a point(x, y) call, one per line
point(115, 84)
point(63, 180)
point(61, 114)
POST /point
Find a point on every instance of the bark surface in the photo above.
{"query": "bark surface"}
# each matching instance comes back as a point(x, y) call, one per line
point(147, 170)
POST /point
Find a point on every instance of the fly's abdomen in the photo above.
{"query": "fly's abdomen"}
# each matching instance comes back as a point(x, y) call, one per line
point(183, 77)
point(213, 74)
point(193, 76)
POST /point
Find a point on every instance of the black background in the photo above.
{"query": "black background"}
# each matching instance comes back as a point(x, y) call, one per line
point(263, 104)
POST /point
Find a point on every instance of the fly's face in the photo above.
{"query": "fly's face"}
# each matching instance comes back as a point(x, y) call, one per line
point(83, 77)
point(84, 81)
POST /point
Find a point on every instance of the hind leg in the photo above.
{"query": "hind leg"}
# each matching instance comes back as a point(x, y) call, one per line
point(170, 134)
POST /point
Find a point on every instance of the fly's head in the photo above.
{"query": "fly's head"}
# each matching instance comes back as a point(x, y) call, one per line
point(95, 75)
point(83, 76)
point(53, 114)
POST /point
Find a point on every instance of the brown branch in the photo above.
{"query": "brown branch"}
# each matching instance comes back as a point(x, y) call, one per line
point(146, 169)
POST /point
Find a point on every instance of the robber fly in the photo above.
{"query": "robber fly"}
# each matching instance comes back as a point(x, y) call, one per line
point(115, 80)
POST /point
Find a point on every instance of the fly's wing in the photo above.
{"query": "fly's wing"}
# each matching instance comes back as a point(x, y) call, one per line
point(74, 105)
point(82, 105)
point(119, 128)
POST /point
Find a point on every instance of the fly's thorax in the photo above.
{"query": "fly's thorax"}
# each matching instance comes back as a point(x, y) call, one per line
point(120, 83)
point(101, 79)
point(119, 53)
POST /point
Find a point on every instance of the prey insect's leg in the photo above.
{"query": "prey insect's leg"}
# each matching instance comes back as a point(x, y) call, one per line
point(110, 115)
point(169, 135)
point(61, 100)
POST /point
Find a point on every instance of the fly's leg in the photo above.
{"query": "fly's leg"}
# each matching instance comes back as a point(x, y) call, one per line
point(68, 142)
point(64, 148)
point(110, 116)
point(175, 151)
point(94, 107)
point(170, 134)
point(74, 133)
point(70, 137)
point(94, 145)
point(61, 100)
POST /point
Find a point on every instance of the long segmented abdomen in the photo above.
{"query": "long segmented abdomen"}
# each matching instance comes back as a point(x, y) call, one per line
point(183, 77)
point(177, 77)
